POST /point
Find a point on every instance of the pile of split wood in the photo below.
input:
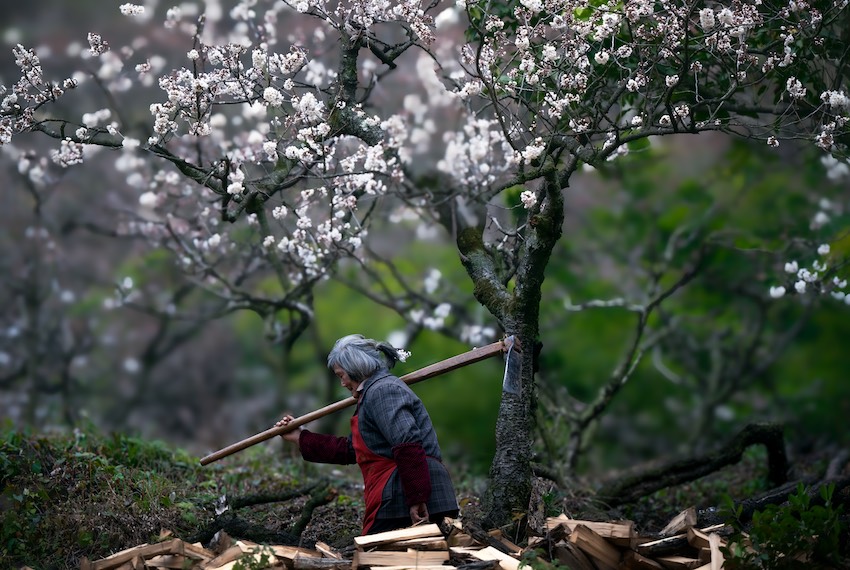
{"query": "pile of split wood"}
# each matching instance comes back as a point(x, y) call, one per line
point(575, 544)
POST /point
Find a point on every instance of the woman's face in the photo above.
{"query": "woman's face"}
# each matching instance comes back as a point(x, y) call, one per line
point(346, 381)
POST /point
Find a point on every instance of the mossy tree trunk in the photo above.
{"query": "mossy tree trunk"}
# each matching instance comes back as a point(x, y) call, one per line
point(513, 297)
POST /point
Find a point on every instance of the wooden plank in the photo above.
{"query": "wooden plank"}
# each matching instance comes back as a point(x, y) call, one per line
point(144, 551)
point(229, 555)
point(697, 538)
point(167, 561)
point(293, 552)
point(506, 561)
point(194, 551)
point(663, 546)
point(602, 552)
point(245, 560)
point(304, 563)
point(390, 558)
point(634, 561)
point(716, 555)
point(327, 550)
point(429, 543)
point(679, 562)
point(620, 533)
point(681, 522)
point(420, 531)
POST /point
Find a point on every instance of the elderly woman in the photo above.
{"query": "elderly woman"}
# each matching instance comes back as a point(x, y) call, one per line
point(392, 440)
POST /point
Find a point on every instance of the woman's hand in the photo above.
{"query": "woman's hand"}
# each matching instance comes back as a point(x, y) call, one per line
point(293, 435)
point(419, 513)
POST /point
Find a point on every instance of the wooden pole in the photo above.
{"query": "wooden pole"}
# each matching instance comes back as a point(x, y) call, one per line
point(453, 363)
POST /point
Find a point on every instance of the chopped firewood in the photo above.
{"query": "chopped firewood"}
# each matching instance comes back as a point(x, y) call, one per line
point(679, 562)
point(663, 546)
point(634, 561)
point(420, 531)
point(570, 543)
point(429, 543)
point(229, 555)
point(413, 567)
point(390, 558)
point(506, 561)
point(326, 550)
point(464, 551)
point(293, 552)
point(194, 551)
point(478, 565)
point(500, 536)
point(167, 561)
point(460, 539)
point(304, 563)
point(134, 564)
point(681, 522)
point(697, 538)
point(252, 558)
point(144, 551)
point(602, 552)
point(571, 556)
point(620, 533)
point(716, 555)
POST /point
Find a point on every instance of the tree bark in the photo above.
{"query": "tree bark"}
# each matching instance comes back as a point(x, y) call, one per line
point(505, 501)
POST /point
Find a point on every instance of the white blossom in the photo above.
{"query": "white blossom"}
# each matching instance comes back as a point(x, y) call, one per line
point(533, 5)
point(777, 292)
point(823, 249)
point(272, 96)
point(132, 9)
point(800, 286)
point(432, 281)
point(131, 365)
point(795, 88)
point(706, 18)
point(791, 267)
point(528, 199)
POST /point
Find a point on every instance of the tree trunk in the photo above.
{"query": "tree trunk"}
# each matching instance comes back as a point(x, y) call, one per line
point(509, 489)
point(505, 502)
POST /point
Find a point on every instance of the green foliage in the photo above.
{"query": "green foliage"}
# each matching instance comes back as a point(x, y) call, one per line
point(532, 559)
point(65, 496)
point(801, 534)
point(259, 558)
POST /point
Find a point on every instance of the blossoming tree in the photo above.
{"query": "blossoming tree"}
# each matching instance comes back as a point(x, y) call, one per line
point(279, 140)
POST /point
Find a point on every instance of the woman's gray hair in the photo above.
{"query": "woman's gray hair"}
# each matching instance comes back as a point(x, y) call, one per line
point(361, 357)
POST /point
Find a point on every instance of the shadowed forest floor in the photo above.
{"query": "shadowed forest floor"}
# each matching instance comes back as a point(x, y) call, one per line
point(66, 497)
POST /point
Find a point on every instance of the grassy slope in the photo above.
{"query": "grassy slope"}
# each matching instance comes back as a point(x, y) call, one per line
point(63, 497)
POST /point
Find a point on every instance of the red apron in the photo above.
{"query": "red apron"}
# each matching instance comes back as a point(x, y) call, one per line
point(376, 472)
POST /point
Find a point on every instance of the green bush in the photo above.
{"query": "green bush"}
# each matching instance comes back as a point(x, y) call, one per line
point(799, 534)
point(67, 496)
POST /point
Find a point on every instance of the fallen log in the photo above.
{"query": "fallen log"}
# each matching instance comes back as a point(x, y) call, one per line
point(633, 487)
